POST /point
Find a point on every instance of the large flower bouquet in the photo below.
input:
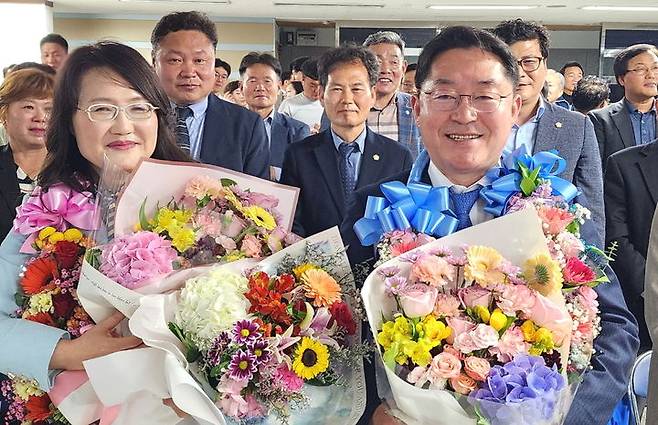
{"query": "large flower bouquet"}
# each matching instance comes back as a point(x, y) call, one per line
point(54, 223)
point(208, 219)
point(278, 341)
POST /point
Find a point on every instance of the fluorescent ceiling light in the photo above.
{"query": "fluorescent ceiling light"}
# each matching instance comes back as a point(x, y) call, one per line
point(179, 1)
point(622, 8)
point(481, 7)
point(326, 4)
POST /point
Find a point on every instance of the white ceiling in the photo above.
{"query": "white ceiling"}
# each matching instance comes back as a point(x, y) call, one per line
point(566, 12)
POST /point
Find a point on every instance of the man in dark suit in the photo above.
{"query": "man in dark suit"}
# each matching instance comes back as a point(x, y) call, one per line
point(210, 129)
point(542, 126)
point(330, 165)
point(632, 120)
point(465, 109)
point(631, 193)
point(261, 80)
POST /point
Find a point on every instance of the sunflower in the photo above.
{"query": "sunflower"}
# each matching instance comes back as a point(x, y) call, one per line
point(319, 285)
point(38, 274)
point(543, 274)
point(311, 358)
point(260, 217)
point(483, 265)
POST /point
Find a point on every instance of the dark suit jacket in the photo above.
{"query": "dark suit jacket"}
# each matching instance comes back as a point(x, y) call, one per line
point(631, 194)
point(572, 134)
point(10, 196)
point(234, 138)
point(613, 128)
point(313, 166)
point(285, 130)
point(603, 385)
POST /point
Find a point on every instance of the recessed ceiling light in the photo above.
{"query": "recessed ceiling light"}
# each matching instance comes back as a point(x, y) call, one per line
point(326, 4)
point(621, 8)
point(179, 1)
point(481, 7)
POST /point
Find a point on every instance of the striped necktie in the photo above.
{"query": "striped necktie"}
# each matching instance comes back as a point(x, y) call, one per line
point(347, 168)
point(182, 133)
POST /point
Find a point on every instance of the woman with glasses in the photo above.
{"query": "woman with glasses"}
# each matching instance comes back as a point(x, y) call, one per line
point(26, 97)
point(107, 103)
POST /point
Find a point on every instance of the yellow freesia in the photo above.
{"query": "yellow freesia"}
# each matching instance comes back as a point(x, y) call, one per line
point(498, 320)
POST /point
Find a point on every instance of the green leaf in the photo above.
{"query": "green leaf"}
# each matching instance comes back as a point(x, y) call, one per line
point(573, 227)
point(227, 182)
point(390, 355)
point(93, 257)
point(143, 220)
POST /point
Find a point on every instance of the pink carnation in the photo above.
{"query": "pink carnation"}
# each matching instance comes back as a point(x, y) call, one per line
point(288, 378)
point(515, 298)
point(569, 244)
point(251, 246)
point(510, 344)
point(554, 220)
point(208, 222)
point(577, 273)
point(133, 259)
point(432, 270)
point(446, 306)
point(459, 326)
point(201, 186)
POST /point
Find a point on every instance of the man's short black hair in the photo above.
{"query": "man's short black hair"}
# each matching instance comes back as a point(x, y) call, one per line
point(620, 66)
point(221, 64)
point(285, 75)
point(310, 68)
point(462, 37)
point(519, 30)
point(411, 67)
point(263, 58)
point(55, 38)
point(181, 21)
point(571, 65)
point(348, 54)
point(589, 93)
point(296, 64)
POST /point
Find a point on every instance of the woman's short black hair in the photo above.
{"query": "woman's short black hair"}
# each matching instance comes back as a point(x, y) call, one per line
point(64, 163)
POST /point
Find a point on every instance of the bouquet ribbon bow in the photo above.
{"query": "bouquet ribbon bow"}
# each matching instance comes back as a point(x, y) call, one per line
point(60, 207)
point(521, 172)
point(417, 205)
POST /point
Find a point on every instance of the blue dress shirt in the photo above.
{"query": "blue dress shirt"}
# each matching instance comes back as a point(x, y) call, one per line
point(526, 133)
point(644, 124)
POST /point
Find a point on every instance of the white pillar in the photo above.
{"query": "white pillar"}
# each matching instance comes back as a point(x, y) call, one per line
point(23, 23)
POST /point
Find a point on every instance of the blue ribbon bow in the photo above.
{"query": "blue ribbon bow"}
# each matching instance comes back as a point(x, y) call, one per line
point(417, 205)
point(509, 179)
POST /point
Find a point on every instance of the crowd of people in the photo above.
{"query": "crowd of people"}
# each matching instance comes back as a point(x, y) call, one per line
point(335, 126)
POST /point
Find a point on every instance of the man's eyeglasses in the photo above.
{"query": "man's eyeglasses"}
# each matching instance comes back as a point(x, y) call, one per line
point(530, 64)
point(107, 112)
point(449, 101)
point(644, 70)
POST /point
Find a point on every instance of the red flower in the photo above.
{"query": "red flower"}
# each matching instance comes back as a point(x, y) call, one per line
point(43, 318)
point(67, 253)
point(260, 280)
point(340, 312)
point(402, 247)
point(63, 305)
point(268, 303)
point(284, 283)
point(38, 408)
point(38, 274)
point(577, 273)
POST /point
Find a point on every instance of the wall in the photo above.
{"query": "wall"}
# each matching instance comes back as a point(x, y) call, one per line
point(236, 39)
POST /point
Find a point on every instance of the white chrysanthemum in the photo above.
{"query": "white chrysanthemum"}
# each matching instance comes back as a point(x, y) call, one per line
point(40, 303)
point(210, 304)
point(25, 389)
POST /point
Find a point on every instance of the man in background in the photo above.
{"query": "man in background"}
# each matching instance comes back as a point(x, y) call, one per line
point(306, 106)
point(555, 89)
point(573, 72)
point(54, 50)
point(222, 73)
point(409, 80)
point(591, 93)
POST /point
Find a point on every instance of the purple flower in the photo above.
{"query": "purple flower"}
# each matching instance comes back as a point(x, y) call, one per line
point(245, 332)
point(388, 271)
point(242, 366)
point(213, 356)
point(260, 349)
point(395, 285)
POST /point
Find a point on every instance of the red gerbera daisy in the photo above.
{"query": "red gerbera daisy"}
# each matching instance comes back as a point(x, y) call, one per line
point(38, 274)
point(38, 408)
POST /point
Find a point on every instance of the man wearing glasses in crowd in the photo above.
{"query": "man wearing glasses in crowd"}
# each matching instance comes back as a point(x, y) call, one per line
point(632, 120)
point(542, 126)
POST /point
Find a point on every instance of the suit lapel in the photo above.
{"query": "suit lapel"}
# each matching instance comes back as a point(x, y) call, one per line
point(547, 129)
point(278, 140)
point(370, 161)
point(649, 170)
point(325, 155)
point(211, 129)
point(623, 123)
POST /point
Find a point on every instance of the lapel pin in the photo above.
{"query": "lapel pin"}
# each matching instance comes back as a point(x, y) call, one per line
point(375, 157)
point(558, 124)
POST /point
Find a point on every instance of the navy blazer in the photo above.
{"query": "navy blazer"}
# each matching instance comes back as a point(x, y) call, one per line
point(10, 195)
point(285, 130)
point(631, 194)
point(603, 386)
point(313, 166)
point(235, 138)
point(613, 127)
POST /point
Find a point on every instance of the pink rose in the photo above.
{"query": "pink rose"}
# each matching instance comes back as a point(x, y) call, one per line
point(450, 349)
point(445, 366)
point(262, 200)
point(477, 368)
point(510, 344)
point(251, 246)
point(588, 294)
point(515, 298)
point(475, 295)
point(484, 336)
point(464, 343)
point(418, 300)
point(570, 245)
point(446, 306)
point(459, 326)
point(232, 225)
point(418, 376)
point(463, 384)
point(432, 270)
point(226, 242)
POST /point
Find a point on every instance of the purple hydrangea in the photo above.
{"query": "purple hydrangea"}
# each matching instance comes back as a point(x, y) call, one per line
point(523, 391)
point(245, 332)
point(242, 366)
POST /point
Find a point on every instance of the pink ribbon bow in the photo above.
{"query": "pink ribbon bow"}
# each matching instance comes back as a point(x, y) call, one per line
point(60, 207)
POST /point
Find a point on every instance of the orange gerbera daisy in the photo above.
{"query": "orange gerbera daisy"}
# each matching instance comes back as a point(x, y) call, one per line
point(43, 318)
point(319, 285)
point(38, 408)
point(38, 274)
